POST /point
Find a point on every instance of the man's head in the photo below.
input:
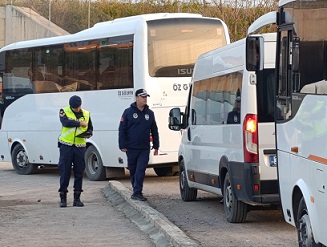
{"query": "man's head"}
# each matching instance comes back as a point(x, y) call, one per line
point(75, 103)
point(141, 96)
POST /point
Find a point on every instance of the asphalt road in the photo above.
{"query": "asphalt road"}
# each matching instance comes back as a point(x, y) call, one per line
point(30, 216)
point(204, 220)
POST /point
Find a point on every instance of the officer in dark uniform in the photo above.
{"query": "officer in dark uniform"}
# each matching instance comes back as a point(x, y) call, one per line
point(76, 126)
point(136, 125)
point(234, 116)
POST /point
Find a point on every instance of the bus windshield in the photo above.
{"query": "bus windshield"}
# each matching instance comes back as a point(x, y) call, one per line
point(175, 44)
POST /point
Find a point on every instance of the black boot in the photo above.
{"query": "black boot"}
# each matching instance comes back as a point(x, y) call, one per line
point(63, 199)
point(77, 201)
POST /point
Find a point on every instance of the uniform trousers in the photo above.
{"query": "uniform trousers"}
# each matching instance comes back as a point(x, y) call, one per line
point(71, 155)
point(137, 163)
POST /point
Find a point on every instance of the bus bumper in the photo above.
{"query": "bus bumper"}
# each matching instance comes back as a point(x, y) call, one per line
point(247, 186)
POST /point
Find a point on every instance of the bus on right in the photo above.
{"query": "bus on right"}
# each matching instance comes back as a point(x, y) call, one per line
point(300, 112)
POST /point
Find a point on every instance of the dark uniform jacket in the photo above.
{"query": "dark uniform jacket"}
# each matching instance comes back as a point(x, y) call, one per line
point(234, 117)
point(135, 128)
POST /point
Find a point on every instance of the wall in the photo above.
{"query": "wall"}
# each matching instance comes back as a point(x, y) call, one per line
point(20, 23)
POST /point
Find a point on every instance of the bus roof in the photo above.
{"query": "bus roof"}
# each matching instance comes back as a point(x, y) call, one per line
point(117, 27)
point(283, 2)
point(226, 58)
point(147, 17)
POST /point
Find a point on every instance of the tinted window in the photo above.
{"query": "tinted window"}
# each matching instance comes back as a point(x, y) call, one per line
point(80, 65)
point(213, 99)
point(77, 66)
point(266, 95)
point(116, 62)
point(16, 80)
point(47, 69)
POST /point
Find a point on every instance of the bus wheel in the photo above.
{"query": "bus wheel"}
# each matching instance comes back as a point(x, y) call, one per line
point(94, 168)
point(187, 193)
point(164, 171)
point(20, 161)
point(235, 211)
point(303, 225)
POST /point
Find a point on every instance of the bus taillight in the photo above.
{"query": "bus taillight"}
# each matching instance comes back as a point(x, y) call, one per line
point(250, 139)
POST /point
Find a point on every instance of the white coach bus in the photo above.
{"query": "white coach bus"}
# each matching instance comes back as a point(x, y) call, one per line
point(104, 65)
point(228, 146)
point(301, 130)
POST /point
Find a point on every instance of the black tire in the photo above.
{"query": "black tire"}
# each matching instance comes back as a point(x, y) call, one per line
point(304, 228)
point(235, 211)
point(20, 161)
point(187, 193)
point(164, 171)
point(94, 168)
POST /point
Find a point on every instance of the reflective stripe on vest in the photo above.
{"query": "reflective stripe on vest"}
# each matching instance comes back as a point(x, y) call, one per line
point(69, 135)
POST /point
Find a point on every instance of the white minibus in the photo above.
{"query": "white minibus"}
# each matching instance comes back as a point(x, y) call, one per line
point(228, 141)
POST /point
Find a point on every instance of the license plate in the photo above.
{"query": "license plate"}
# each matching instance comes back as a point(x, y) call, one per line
point(273, 160)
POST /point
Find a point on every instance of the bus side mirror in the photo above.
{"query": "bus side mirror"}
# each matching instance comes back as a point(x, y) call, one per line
point(254, 53)
point(175, 119)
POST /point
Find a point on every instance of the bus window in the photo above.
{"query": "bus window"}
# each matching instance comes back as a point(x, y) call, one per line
point(174, 45)
point(266, 95)
point(46, 75)
point(116, 62)
point(16, 81)
point(80, 65)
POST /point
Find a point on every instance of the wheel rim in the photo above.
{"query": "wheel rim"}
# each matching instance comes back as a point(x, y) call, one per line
point(92, 163)
point(228, 196)
point(22, 159)
point(305, 231)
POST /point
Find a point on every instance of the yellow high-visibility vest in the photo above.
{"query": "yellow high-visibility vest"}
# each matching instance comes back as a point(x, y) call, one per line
point(69, 135)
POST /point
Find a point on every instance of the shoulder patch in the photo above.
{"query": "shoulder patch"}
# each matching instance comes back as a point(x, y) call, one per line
point(62, 113)
point(122, 119)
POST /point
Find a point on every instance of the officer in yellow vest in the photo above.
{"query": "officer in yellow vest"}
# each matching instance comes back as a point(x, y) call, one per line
point(76, 126)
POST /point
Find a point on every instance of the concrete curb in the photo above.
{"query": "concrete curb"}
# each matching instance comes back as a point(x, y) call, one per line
point(175, 235)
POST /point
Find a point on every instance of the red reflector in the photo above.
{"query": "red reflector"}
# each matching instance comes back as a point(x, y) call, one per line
point(256, 187)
